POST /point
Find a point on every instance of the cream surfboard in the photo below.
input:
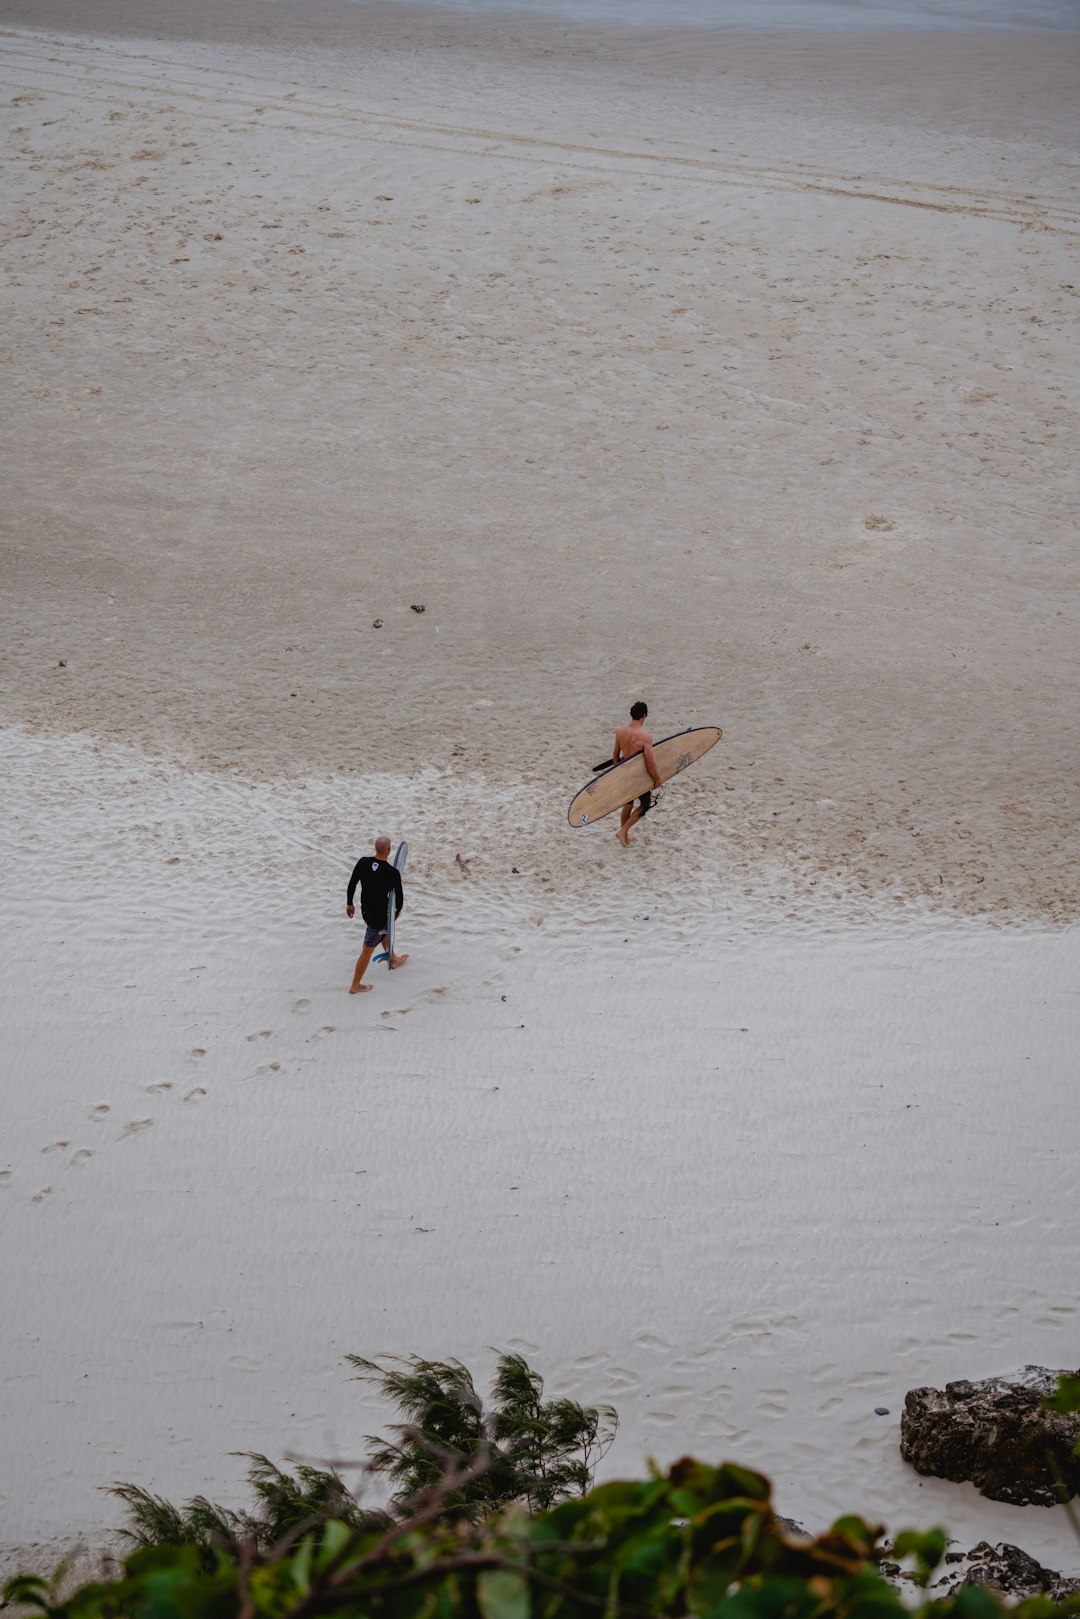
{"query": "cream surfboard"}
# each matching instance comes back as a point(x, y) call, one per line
point(629, 779)
point(391, 913)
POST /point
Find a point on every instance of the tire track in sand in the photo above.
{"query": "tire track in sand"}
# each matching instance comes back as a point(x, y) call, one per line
point(50, 63)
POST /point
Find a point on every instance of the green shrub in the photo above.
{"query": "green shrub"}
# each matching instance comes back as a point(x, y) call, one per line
point(285, 1504)
point(527, 1450)
point(535, 1451)
point(700, 1542)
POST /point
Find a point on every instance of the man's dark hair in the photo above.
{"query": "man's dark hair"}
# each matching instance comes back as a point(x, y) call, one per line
point(639, 711)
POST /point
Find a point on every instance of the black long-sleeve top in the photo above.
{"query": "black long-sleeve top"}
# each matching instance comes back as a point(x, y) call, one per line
point(378, 879)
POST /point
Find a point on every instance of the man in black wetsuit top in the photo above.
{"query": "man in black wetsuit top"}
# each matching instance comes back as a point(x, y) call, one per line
point(378, 879)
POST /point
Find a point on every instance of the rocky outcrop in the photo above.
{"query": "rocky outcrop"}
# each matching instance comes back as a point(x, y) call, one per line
point(1008, 1570)
point(997, 1434)
point(1014, 1572)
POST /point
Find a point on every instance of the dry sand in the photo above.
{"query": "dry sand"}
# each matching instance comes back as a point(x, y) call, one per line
point(644, 373)
point(727, 370)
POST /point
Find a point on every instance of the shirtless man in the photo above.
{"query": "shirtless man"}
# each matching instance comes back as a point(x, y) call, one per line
point(630, 739)
point(378, 879)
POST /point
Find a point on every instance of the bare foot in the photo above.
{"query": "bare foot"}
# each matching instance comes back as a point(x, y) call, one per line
point(359, 989)
point(399, 961)
point(623, 837)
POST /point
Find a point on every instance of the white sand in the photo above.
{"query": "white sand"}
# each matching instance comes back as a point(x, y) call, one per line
point(733, 374)
point(745, 1180)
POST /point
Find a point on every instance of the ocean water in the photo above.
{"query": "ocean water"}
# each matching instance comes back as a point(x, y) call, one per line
point(1062, 16)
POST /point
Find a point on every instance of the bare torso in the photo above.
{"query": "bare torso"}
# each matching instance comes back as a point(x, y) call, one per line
point(632, 738)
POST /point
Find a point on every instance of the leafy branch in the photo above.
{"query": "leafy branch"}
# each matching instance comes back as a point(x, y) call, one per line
point(699, 1542)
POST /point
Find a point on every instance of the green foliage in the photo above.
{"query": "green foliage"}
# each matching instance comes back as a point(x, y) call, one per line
point(153, 1521)
point(290, 1502)
point(533, 1451)
point(1066, 1397)
point(1066, 1400)
point(700, 1542)
point(925, 1550)
point(495, 1520)
point(286, 1505)
point(528, 1450)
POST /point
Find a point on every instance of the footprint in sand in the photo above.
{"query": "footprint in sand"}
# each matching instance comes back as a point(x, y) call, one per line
point(261, 1034)
point(135, 1127)
point(39, 1197)
point(99, 1113)
point(79, 1158)
point(708, 1425)
point(6, 1176)
point(193, 1096)
point(585, 1363)
point(749, 1329)
point(156, 1090)
point(327, 1028)
point(828, 1405)
point(198, 1051)
point(57, 1146)
point(268, 1068)
point(301, 1005)
point(648, 1340)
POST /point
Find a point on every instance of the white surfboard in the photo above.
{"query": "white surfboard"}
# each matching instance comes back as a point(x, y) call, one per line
point(391, 911)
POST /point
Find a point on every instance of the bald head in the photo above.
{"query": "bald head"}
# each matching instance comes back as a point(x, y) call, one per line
point(382, 847)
